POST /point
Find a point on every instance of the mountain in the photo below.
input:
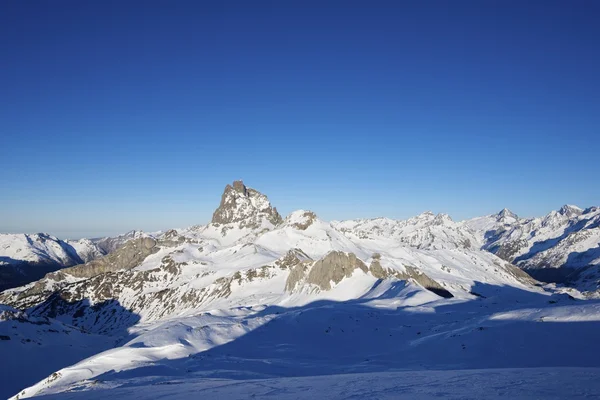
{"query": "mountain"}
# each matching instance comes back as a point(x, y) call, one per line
point(563, 246)
point(86, 249)
point(109, 244)
point(252, 295)
point(245, 207)
point(25, 258)
point(243, 213)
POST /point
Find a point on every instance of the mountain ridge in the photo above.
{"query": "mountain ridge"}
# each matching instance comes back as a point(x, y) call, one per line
point(177, 294)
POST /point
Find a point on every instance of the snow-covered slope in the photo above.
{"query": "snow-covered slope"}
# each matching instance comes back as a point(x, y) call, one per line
point(557, 247)
point(37, 248)
point(299, 259)
point(27, 257)
point(425, 231)
point(556, 383)
point(24, 258)
point(86, 249)
point(393, 326)
point(32, 348)
point(253, 295)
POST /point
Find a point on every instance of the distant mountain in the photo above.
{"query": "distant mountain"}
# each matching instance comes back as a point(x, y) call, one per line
point(563, 246)
point(86, 249)
point(25, 258)
point(109, 244)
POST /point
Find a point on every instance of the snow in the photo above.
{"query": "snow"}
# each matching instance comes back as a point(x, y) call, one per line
point(395, 326)
point(513, 383)
point(568, 237)
point(209, 313)
point(36, 347)
point(38, 248)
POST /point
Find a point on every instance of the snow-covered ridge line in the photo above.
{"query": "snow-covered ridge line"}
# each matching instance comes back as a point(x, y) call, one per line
point(256, 285)
point(562, 246)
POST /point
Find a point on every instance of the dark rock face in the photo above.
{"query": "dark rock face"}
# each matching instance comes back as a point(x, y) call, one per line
point(245, 206)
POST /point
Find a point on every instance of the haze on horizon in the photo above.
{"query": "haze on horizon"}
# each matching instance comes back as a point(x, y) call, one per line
point(121, 117)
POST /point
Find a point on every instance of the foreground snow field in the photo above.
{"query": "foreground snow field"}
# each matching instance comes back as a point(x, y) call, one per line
point(400, 327)
point(514, 383)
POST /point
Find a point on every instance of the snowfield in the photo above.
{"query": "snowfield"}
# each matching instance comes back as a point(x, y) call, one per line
point(514, 383)
point(255, 305)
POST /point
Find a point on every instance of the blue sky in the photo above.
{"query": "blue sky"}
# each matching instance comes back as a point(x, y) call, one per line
point(122, 116)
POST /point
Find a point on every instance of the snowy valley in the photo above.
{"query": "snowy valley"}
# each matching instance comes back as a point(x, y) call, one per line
point(257, 304)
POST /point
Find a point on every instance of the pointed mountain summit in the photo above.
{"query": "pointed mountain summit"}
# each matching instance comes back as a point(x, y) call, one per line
point(569, 210)
point(245, 206)
point(506, 213)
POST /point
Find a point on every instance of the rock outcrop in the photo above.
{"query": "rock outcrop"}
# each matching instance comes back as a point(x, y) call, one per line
point(301, 220)
point(246, 207)
point(333, 267)
point(130, 255)
point(411, 274)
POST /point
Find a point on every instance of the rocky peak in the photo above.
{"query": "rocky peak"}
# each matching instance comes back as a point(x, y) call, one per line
point(570, 211)
point(239, 187)
point(442, 219)
point(506, 213)
point(301, 219)
point(245, 206)
point(590, 210)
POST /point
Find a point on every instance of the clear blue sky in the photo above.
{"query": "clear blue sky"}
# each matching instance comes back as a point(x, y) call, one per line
point(134, 115)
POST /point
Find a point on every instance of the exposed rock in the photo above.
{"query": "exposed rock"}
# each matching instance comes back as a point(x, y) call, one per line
point(302, 219)
point(377, 270)
point(507, 250)
point(171, 239)
point(245, 206)
point(428, 283)
point(109, 244)
point(570, 211)
point(334, 267)
point(506, 213)
point(411, 273)
point(296, 276)
point(127, 257)
point(292, 258)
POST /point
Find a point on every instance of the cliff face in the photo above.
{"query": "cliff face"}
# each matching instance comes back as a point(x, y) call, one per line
point(246, 207)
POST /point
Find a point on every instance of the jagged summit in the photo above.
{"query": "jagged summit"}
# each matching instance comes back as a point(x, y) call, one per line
point(245, 206)
point(301, 219)
point(570, 210)
point(506, 213)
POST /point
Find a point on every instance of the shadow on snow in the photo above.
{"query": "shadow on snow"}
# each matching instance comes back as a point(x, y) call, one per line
point(329, 337)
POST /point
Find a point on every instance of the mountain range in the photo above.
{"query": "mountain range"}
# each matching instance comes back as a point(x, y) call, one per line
point(255, 295)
